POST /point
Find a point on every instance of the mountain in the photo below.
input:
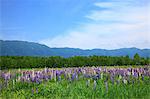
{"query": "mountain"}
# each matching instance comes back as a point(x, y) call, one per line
point(24, 48)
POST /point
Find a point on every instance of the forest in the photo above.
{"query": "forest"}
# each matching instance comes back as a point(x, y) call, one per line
point(14, 62)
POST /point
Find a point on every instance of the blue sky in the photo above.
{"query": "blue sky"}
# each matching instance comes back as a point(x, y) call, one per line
point(85, 24)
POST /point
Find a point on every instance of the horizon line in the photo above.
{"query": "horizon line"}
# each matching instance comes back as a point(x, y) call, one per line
point(79, 48)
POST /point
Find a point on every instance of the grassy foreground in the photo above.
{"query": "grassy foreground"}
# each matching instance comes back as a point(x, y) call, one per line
point(78, 88)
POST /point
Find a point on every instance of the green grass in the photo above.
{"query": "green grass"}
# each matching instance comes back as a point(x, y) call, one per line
point(76, 90)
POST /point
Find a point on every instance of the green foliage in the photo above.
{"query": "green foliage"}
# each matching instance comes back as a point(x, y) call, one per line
point(136, 59)
point(8, 62)
point(76, 90)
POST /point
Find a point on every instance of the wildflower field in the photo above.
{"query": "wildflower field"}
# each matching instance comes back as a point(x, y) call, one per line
point(76, 83)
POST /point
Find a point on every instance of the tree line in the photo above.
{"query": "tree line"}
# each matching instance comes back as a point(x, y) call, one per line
point(9, 62)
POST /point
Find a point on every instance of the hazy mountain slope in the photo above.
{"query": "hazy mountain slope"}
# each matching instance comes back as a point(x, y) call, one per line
point(23, 48)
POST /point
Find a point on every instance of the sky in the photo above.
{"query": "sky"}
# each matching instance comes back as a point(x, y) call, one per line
point(85, 24)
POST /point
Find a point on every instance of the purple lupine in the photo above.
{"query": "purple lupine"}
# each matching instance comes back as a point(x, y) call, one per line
point(87, 75)
point(32, 79)
point(94, 85)
point(88, 83)
point(37, 80)
point(98, 76)
point(46, 77)
point(106, 86)
point(118, 81)
point(32, 91)
point(54, 75)
point(76, 76)
point(57, 73)
point(22, 79)
point(36, 90)
point(6, 77)
point(142, 77)
point(59, 78)
point(135, 74)
point(49, 77)
point(73, 73)
point(112, 79)
point(79, 70)
point(94, 77)
point(73, 76)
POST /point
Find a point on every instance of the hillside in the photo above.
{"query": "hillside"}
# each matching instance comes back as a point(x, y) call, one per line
point(24, 48)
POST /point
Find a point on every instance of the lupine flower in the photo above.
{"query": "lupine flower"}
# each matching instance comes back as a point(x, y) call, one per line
point(118, 81)
point(45, 70)
point(132, 81)
point(73, 76)
point(94, 77)
point(37, 80)
point(78, 73)
point(32, 91)
point(69, 76)
point(54, 75)
point(112, 79)
point(59, 78)
point(101, 75)
point(88, 83)
point(76, 76)
point(128, 73)
point(106, 86)
point(135, 74)
point(36, 90)
point(124, 81)
point(95, 84)
point(87, 75)
point(49, 77)
point(98, 76)
point(142, 77)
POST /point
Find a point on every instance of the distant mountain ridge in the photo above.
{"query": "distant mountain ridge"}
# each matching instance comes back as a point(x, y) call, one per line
point(24, 48)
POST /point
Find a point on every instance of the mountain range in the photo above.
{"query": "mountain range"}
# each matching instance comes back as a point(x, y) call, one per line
point(24, 48)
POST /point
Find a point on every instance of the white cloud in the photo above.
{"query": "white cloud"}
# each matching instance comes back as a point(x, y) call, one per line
point(122, 24)
point(104, 4)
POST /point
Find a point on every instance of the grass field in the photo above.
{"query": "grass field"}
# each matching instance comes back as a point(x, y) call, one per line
point(76, 83)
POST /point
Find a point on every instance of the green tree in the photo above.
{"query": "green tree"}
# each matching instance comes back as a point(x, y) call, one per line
point(136, 59)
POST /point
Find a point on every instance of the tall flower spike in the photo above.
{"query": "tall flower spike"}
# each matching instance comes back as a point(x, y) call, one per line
point(32, 91)
point(95, 84)
point(59, 78)
point(102, 75)
point(73, 76)
point(112, 79)
point(124, 81)
point(54, 75)
point(45, 70)
point(142, 77)
point(36, 90)
point(76, 76)
point(106, 86)
point(13, 83)
point(88, 83)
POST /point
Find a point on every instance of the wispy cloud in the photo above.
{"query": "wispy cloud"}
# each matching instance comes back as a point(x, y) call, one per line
point(116, 24)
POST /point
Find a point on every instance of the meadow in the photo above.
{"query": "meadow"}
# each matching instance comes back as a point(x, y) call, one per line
point(76, 83)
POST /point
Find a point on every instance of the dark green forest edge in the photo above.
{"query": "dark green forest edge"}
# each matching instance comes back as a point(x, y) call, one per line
point(12, 62)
